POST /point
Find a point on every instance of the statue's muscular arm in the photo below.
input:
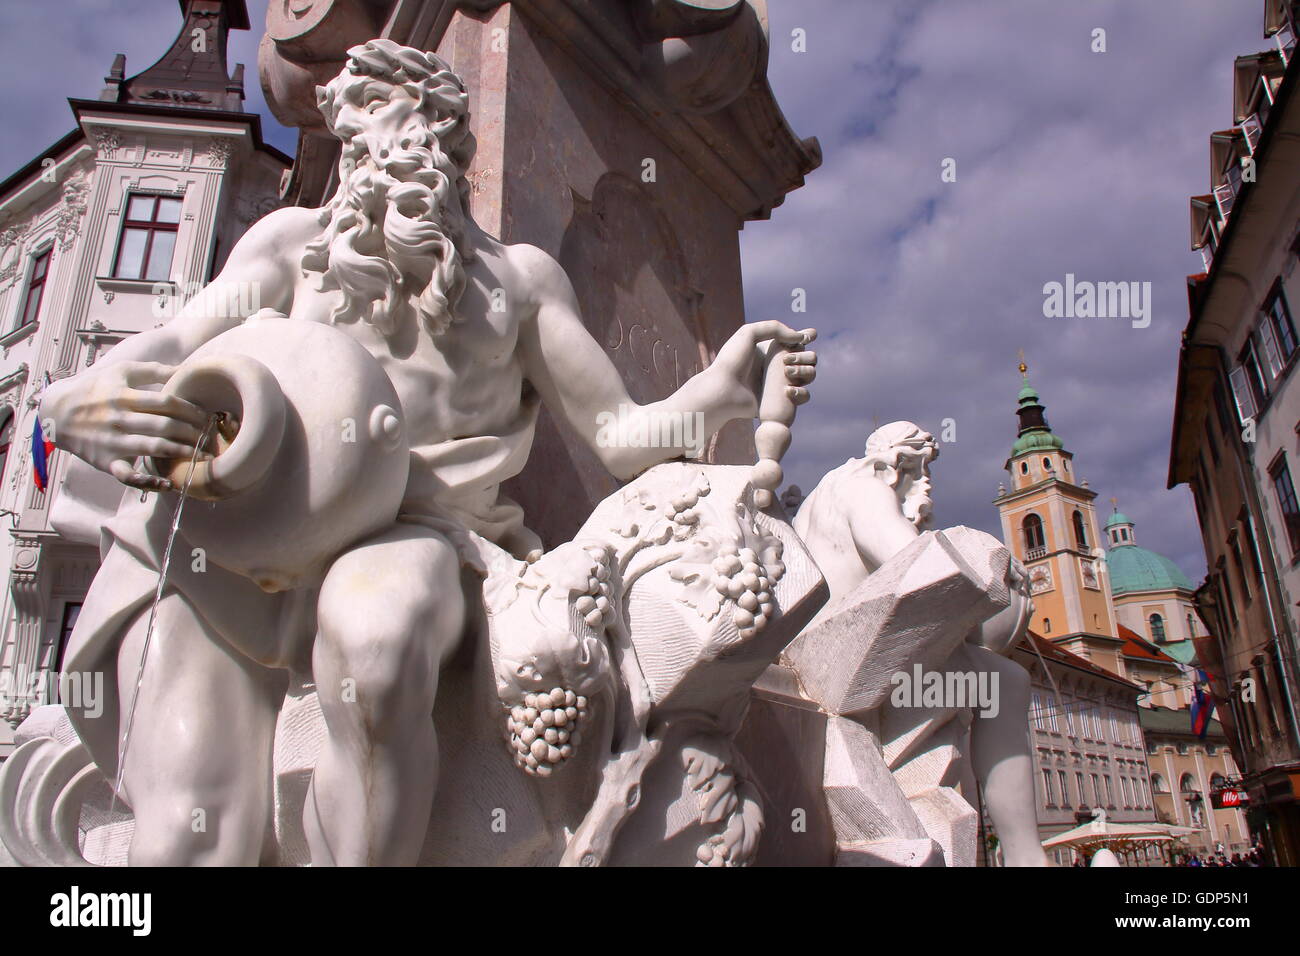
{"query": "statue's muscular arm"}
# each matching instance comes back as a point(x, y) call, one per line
point(877, 523)
point(577, 380)
point(110, 414)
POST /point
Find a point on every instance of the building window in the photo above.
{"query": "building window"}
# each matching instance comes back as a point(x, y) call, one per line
point(1157, 628)
point(1024, 467)
point(1277, 315)
point(1247, 383)
point(1080, 534)
point(1047, 625)
point(1280, 474)
point(71, 611)
point(1036, 712)
point(1191, 626)
point(1034, 539)
point(35, 288)
point(1078, 784)
point(6, 437)
point(148, 237)
point(1096, 791)
point(1047, 787)
point(1157, 781)
point(1065, 788)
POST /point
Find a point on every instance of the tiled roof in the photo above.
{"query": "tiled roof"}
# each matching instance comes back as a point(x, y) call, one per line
point(1137, 646)
point(1058, 654)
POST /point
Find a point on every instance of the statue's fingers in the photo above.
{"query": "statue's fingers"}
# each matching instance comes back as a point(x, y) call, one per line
point(800, 374)
point(156, 403)
point(159, 426)
point(801, 358)
point(798, 396)
point(124, 471)
point(162, 448)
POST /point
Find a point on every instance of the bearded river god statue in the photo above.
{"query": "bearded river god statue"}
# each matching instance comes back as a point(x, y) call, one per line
point(361, 654)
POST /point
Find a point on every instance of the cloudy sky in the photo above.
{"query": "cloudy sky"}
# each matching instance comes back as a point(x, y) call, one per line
point(1067, 161)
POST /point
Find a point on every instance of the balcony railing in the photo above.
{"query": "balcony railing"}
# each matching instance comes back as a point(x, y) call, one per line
point(1285, 38)
point(1033, 554)
point(1252, 128)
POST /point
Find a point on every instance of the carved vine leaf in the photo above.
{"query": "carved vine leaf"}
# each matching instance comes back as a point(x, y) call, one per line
point(724, 796)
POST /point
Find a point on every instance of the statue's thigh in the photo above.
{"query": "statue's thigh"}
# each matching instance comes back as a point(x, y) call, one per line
point(391, 609)
point(204, 721)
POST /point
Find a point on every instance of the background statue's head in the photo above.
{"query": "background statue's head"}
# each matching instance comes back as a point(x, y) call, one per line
point(394, 230)
point(900, 454)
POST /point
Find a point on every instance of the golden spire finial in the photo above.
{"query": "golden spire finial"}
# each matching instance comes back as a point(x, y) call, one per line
point(1023, 367)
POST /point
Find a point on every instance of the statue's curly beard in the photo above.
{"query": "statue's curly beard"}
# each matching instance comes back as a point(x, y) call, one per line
point(393, 240)
point(917, 503)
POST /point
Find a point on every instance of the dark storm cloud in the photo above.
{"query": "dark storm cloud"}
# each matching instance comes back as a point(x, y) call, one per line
point(1068, 161)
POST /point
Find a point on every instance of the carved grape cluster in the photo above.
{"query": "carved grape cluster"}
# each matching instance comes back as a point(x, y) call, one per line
point(740, 577)
point(714, 852)
point(545, 729)
point(681, 509)
point(597, 604)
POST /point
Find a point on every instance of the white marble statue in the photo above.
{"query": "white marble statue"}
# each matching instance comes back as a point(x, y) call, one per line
point(860, 522)
point(472, 335)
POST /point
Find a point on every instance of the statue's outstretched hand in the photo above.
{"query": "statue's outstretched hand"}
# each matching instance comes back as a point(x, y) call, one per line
point(740, 365)
point(108, 417)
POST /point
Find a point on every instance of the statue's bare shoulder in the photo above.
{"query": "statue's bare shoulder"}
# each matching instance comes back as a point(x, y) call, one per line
point(542, 280)
point(278, 237)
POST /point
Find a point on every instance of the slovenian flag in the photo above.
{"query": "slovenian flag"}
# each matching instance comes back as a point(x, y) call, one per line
point(41, 451)
point(1202, 706)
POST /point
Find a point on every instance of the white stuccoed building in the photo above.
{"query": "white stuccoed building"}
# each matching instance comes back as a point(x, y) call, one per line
point(104, 234)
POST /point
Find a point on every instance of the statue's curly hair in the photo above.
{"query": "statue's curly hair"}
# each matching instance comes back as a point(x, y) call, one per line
point(426, 76)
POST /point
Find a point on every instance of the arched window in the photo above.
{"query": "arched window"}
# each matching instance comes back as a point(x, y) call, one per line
point(1187, 783)
point(1047, 625)
point(1080, 534)
point(6, 436)
point(1024, 467)
point(1158, 784)
point(1034, 540)
point(1157, 628)
point(1218, 781)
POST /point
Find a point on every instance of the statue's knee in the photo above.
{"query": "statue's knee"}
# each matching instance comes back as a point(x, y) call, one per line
point(181, 831)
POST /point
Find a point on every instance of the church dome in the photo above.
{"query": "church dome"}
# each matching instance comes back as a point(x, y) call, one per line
point(1118, 518)
point(1137, 569)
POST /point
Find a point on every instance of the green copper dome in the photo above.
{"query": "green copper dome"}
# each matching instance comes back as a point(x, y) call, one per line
point(1036, 441)
point(1034, 434)
point(1118, 517)
point(1136, 569)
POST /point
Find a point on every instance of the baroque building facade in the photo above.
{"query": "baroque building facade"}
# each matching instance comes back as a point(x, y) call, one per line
point(104, 234)
point(1236, 422)
point(1112, 654)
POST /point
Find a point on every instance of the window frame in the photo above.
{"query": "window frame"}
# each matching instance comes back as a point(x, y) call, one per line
point(151, 227)
point(1279, 468)
point(1038, 525)
point(35, 284)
